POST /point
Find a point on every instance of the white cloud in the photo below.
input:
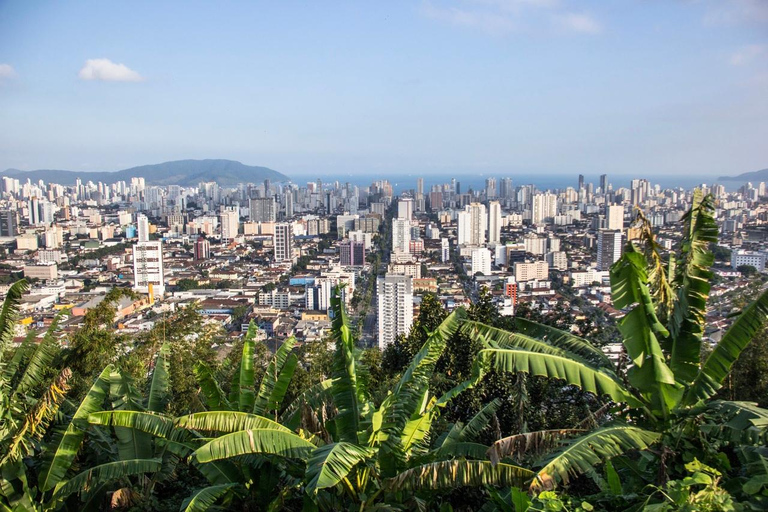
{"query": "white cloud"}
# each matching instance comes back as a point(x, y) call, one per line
point(490, 22)
point(500, 17)
point(733, 12)
point(6, 71)
point(581, 23)
point(106, 70)
point(746, 54)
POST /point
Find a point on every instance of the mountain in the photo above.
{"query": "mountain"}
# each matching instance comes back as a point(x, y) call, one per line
point(180, 172)
point(758, 176)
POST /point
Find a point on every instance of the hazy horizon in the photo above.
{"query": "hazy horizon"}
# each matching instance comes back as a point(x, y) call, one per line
point(549, 86)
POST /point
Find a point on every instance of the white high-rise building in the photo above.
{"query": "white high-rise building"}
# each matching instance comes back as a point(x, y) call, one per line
point(609, 248)
point(445, 250)
point(473, 222)
point(401, 235)
point(614, 217)
point(405, 208)
point(282, 240)
point(148, 267)
point(143, 227)
point(230, 224)
point(395, 298)
point(544, 208)
point(481, 261)
point(494, 222)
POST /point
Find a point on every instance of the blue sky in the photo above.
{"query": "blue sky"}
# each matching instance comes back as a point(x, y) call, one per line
point(430, 87)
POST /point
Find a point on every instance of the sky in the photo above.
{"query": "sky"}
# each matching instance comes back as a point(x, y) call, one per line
point(624, 87)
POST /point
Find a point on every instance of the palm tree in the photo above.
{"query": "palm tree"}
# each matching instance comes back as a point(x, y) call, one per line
point(668, 391)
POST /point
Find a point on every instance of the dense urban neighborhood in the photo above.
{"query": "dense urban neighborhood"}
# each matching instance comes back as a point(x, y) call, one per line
point(272, 253)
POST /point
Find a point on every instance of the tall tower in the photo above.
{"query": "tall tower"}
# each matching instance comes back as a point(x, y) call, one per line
point(494, 222)
point(401, 235)
point(473, 223)
point(148, 267)
point(143, 227)
point(405, 208)
point(283, 242)
point(490, 188)
point(614, 217)
point(395, 299)
point(609, 248)
point(230, 224)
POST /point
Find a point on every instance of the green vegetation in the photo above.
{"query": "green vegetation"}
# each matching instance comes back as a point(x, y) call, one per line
point(470, 411)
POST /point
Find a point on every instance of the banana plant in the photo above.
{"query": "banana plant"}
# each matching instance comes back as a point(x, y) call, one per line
point(667, 386)
point(357, 452)
point(248, 407)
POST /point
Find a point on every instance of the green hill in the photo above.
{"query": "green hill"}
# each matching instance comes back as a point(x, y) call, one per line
point(180, 172)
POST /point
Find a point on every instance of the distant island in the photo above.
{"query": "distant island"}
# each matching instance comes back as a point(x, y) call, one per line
point(179, 172)
point(761, 175)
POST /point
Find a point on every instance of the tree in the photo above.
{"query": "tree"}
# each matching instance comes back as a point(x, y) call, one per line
point(747, 270)
point(668, 393)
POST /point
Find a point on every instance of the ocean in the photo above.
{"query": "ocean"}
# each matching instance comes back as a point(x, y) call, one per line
point(404, 182)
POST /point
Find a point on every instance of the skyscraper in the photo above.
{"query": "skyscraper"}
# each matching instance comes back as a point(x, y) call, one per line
point(420, 186)
point(445, 250)
point(351, 253)
point(544, 207)
point(9, 223)
point(609, 248)
point(494, 222)
point(490, 188)
point(148, 267)
point(395, 299)
point(614, 217)
point(604, 183)
point(262, 209)
point(581, 182)
point(506, 191)
point(473, 223)
point(282, 240)
point(230, 224)
point(143, 227)
point(405, 208)
point(401, 235)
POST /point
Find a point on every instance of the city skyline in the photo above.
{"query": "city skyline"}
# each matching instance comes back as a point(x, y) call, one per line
point(544, 86)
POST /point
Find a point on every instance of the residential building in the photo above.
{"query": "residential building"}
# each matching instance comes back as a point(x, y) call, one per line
point(609, 248)
point(283, 242)
point(148, 268)
point(395, 299)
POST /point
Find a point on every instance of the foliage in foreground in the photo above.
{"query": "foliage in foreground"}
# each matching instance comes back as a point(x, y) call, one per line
point(146, 428)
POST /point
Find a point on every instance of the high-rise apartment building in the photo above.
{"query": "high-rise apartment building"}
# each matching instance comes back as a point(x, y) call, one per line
point(283, 241)
point(473, 222)
point(262, 209)
point(544, 208)
point(142, 224)
point(490, 188)
point(614, 217)
point(405, 208)
point(401, 235)
point(9, 223)
point(148, 267)
point(494, 222)
point(609, 248)
point(481, 261)
point(202, 249)
point(230, 224)
point(395, 299)
point(351, 253)
point(445, 250)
